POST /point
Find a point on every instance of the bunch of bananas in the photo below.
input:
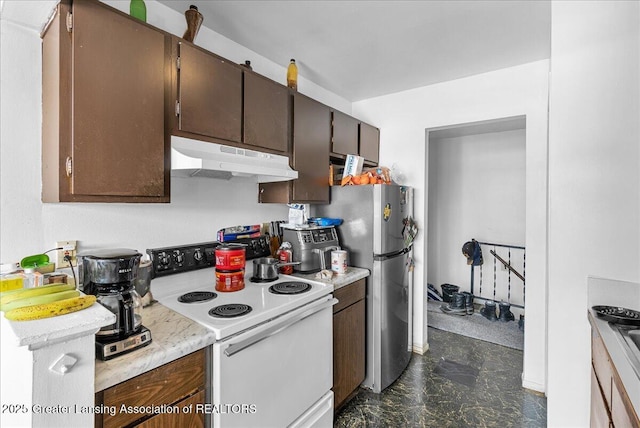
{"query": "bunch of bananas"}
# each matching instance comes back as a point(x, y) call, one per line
point(43, 302)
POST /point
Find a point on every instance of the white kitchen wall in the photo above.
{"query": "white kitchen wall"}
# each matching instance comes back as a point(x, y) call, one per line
point(404, 119)
point(199, 206)
point(476, 190)
point(594, 181)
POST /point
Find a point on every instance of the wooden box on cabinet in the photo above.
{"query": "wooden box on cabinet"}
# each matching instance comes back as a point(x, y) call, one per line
point(311, 140)
point(348, 341)
point(178, 383)
point(104, 91)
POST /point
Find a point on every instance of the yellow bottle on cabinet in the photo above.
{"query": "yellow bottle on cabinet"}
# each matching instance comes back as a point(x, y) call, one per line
point(292, 75)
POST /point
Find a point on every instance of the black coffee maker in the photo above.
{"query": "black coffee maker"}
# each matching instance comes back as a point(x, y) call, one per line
point(110, 275)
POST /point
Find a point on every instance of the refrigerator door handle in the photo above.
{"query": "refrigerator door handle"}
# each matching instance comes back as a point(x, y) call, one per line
point(387, 256)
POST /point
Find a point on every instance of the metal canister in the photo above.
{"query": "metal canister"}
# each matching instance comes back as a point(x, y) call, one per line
point(285, 255)
point(230, 257)
point(229, 280)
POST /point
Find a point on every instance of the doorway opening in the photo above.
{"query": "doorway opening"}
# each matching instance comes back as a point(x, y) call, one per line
point(477, 191)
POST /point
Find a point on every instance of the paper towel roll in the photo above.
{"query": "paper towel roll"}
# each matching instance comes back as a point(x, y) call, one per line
point(339, 261)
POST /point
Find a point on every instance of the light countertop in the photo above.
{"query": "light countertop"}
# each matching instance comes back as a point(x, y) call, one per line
point(173, 336)
point(338, 281)
point(36, 333)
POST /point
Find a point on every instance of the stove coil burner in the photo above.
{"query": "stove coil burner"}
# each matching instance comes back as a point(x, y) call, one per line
point(290, 287)
point(197, 297)
point(230, 311)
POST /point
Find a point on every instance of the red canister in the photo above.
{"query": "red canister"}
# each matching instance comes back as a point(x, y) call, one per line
point(230, 257)
point(229, 280)
point(285, 255)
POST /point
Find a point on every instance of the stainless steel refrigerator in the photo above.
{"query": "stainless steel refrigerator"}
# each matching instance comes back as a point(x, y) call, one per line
point(373, 234)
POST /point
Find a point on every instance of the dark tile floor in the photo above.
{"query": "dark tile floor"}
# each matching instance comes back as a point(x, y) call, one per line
point(459, 382)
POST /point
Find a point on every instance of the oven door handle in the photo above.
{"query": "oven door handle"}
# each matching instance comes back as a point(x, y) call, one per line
point(237, 347)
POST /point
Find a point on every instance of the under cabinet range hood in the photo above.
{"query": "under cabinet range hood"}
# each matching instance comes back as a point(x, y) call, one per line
point(193, 158)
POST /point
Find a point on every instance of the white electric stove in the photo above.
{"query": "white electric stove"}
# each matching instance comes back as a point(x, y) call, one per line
point(193, 295)
point(272, 362)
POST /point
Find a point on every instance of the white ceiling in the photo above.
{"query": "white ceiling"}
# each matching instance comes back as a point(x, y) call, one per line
point(362, 49)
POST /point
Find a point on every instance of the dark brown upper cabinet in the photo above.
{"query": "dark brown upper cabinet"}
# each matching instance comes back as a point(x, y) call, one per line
point(209, 95)
point(369, 143)
point(344, 139)
point(311, 142)
point(103, 107)
point(266, 113)
point(351, 136)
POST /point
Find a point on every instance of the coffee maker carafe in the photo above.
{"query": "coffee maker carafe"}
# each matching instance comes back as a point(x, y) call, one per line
point(110, 275)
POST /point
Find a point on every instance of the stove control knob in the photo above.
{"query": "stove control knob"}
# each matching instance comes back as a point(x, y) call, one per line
point(178, 256)
point(163, 259)
point(210, 254)
point(197, 255)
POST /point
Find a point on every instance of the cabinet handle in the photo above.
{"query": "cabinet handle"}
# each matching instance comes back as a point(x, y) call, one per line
point(69, 22)
point(69, 166)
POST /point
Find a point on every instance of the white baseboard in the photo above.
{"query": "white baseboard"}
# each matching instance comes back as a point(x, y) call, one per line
point(420, 349)
point(534, 386)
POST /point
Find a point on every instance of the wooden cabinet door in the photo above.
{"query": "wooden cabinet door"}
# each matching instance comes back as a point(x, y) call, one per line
point(622, 413)
point(348, 341)
point(344, 138)
point(369, 143)
point(210, 95)
point(311, 140)
point(182, 419)
point(266, 113)
point(118, 81)
point(601, 365)
point(599, 410)
point(348, 351)
point(166, 384)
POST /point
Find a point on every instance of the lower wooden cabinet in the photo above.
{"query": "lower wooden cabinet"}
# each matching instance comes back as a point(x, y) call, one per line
point(348, 342)
point(622, 414)
point(610, 404)
point(177, 384)
point(600, 417)
point(187, 420)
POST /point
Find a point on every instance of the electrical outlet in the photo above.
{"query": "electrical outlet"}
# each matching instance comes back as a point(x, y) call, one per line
point(67, 248)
